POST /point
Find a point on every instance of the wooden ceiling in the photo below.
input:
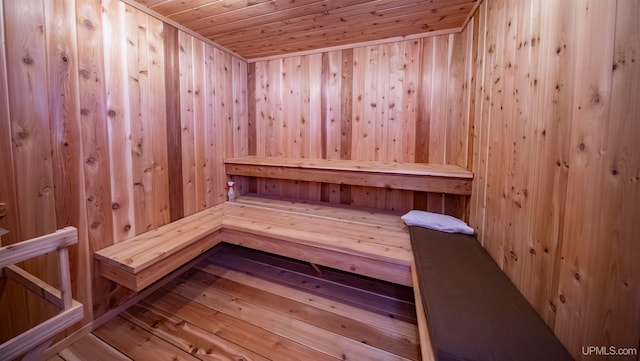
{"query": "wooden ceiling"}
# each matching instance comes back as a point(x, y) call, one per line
point(263, 28)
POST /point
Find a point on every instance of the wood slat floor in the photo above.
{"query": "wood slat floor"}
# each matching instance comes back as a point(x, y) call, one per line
point(240, 304)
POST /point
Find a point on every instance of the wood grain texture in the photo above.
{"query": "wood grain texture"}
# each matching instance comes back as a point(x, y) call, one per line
point(214, 133)
point(94, 137)
point(174, 130)
point(263, 28)
point(375, 107)
point(85, 142)
point(556, 174)
point(12, 304)
point(31, 140)
point(120, 154)
point(599, 245)
point(226, 327)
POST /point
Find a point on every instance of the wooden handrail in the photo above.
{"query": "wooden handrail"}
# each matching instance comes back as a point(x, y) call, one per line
point(22, 251)
point(33, 342)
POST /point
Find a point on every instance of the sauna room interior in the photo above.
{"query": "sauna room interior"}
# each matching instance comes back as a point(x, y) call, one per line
point(122, 122)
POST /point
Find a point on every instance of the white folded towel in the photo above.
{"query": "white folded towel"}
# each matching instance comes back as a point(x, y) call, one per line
point(439, 222)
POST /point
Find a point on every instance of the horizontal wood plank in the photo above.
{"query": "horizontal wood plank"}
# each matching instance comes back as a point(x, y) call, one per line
point(407, 330)
point(158, 268)
point(139, 252)
point(438, 178)
point(295, 330)
point(139, 344)
point(374, 268)
point(92, 348)
point(36, 285)
point(41, 333)
point(19, 252)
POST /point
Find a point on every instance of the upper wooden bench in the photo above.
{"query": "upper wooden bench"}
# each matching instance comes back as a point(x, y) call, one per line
point(359, 241)
point(437, 178)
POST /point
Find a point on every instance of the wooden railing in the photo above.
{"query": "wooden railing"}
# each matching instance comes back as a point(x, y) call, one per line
point(33, 342)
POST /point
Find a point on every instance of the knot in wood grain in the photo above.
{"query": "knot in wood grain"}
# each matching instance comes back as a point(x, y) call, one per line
point(84, 73)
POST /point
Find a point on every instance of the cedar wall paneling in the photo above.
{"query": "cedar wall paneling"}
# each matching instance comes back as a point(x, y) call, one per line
point(112, 122)
point(398, 102)
point(557, 162)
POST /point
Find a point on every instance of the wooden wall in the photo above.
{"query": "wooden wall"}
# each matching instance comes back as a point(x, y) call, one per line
point(113, 122)
point(398, 102)
point(116, 123)
point(557, 188)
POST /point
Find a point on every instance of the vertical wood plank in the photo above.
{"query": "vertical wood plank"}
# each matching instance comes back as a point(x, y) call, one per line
point(240, 115)
point(12, 303)
point(251, 109)
point(599, 245)
point(157, 121)
point(346, 116)
point(252, 136)
point(67, 142)
point(148, 119)
point(438, 65)
point(198, 67)
point(30, 126)
point(410, 101)
point(476, 218)
point(94, 140)
point(8, 183)
point(115, 40)
point(346, 106)
point(214, 129)
point(508, 127)
point(425, 91)
point(226, 72)
point(26, 58)
point(174, 129)
point(187, 124)
point(494, 116)
point(456, 121)
point(324, 106)
point(315, 146)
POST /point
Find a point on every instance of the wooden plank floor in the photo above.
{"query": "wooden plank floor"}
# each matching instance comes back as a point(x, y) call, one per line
point(246, 305)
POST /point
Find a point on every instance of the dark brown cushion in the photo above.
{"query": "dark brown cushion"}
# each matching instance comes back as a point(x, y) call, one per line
point(473, 310)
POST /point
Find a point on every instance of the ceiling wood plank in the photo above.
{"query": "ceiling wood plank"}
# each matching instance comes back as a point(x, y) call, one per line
point(264, 28)
point(258, 15)
point(349, 24)
point(287, 48)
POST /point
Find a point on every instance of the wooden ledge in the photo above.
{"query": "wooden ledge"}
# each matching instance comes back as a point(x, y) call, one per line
point(437, 178)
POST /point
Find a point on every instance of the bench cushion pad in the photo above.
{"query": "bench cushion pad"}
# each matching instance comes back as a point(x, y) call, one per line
point(474, 312)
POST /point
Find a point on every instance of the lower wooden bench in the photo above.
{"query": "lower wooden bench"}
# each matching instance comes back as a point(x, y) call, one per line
point(142, 260)
point(368, 243)
point(363, 242)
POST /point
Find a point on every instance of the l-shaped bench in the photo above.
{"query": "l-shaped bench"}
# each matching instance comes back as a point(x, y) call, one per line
point(373, 244)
